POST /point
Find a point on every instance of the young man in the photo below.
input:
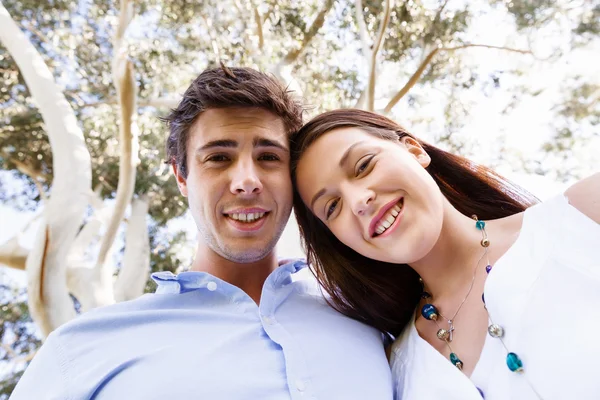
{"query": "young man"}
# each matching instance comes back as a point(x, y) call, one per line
point(237, 325)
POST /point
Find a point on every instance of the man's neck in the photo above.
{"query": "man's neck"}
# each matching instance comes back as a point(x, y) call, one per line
point(249, 277)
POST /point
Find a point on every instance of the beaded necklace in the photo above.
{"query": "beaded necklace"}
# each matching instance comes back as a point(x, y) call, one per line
point(431, 313)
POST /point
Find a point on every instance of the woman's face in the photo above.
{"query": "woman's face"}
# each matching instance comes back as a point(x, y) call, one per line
point(373, 194)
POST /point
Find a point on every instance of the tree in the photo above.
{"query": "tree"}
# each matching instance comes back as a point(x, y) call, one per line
point(111, 69)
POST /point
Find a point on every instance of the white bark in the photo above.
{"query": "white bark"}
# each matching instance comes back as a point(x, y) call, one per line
point(82, 274)
point(136, 261)
point(259, 27)
point(373, 62)
point(13, 255)
point(49, 301)
point(370, 51)
point(365, 38)
point(123, 75)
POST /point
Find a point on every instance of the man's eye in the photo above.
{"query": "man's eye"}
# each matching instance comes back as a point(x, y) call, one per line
point(331, 208)
point(268, 157)
point(218, 158)
point(363, 165)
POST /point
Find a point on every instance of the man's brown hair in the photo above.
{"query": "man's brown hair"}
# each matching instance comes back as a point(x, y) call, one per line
point(225, 87)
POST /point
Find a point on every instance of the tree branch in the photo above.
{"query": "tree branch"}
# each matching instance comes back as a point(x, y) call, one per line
point(136, 261)
point(123, 76)
point(283, 69)
point(89, 231)
point(377, 45)
point(13, 255)
point(36, 177)
point(310, 33)
point(259, 27)
point(419, 72)
point(48, 298)
point(126, 14)
point(362, 28)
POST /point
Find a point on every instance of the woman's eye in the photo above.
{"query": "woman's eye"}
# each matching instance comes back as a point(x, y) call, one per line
point(363, 166)
point(331, 208)
point(268, 157)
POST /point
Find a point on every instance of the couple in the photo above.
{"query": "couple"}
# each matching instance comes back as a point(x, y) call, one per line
point(484, 293)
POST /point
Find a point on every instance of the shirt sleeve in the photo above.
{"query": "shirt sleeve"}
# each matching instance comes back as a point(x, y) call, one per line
point(44, 378)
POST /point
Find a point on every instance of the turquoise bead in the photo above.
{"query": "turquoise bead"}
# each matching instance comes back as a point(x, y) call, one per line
point(456, 361)
point(514, 362)
point(480, 225)
point(429, 312)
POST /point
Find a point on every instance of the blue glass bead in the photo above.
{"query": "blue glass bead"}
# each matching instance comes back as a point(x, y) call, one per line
point(514, 362)
point(456, 361)
point(488, 268)
point(480, 225)
point(483, 298)
point(429, 312)
point(425, 295)
point(481, 393)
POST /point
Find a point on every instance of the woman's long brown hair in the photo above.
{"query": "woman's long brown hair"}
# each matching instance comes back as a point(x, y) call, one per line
point(381, 294)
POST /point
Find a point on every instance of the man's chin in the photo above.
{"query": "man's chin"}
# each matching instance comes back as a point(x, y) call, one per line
point(244, 254)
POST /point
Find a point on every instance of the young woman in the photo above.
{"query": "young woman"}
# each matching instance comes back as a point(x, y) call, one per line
point(488, 293)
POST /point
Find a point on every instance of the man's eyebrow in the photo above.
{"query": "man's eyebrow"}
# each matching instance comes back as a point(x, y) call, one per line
point(218, 143)
point(263, 142)
point(315, 198)
point(344, 158)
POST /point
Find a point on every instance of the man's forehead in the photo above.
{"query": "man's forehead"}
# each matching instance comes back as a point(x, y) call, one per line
point(238, 125)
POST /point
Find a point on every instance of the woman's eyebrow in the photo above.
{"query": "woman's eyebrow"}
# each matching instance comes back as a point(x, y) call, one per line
point(346, 154)
point(316, 197)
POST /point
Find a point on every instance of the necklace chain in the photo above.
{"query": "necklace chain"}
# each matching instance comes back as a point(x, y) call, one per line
point(430, 312)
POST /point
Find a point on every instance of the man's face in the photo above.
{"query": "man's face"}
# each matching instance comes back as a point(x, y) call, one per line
point(238, 184)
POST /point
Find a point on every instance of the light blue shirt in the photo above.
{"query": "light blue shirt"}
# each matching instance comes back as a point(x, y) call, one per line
point(199, 337)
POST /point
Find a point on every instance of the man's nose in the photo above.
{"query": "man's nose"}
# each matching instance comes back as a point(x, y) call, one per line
point(245, 179)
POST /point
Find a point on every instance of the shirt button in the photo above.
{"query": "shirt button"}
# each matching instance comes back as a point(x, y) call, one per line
point(300, 385)
point(268, 320)
point(212, 286)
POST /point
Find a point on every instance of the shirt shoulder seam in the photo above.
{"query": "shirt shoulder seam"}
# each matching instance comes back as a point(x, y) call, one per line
point(63, 364)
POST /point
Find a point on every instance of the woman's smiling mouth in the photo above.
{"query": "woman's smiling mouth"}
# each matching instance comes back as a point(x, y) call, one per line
point(382, 224)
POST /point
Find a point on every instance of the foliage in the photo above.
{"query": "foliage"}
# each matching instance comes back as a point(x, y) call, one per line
point(171, 41)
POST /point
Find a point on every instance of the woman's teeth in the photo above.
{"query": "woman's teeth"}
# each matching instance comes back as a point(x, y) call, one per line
point(249, 217)
point(388, 218)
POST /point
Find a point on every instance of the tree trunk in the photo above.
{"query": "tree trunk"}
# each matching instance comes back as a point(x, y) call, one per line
point(49, 301)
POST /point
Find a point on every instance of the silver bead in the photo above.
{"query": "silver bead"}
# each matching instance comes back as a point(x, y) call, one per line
point(495, 331)
point(443, 334)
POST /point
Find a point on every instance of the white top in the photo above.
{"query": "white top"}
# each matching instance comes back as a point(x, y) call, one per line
point(545, 293)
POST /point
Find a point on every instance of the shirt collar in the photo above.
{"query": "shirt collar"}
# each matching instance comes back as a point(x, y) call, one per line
point(167, 282)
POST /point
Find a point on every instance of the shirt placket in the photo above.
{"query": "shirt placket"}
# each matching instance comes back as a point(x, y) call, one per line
point(298, 378)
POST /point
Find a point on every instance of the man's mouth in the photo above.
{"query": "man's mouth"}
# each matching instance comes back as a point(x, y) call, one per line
point(388, 218)
point(247, 217)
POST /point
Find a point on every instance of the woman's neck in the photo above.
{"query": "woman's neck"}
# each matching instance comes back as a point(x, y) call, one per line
point(448, 268)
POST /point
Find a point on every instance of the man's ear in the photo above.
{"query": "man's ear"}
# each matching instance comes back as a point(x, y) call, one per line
point(416, 150)
point(181, 180)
